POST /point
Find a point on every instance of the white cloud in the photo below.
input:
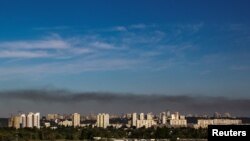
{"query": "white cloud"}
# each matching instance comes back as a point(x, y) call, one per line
point(94, 51)
point(50, 47)
point(23, 54)
point(70, 67)
point(120, 28)
point(192, 28)
point(56, 48)
point(37, 44)
point(80, 50)
point(102, 45)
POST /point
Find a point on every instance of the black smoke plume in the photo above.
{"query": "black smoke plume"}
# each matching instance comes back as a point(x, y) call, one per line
point(62, 101)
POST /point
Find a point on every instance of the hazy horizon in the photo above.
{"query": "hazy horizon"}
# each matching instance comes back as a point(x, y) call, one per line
point(62, 101)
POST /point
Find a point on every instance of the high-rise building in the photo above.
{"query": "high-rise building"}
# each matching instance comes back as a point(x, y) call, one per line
point(29, 120)
point(163, 118)
point(175, 116)
point(76, 119)
point(149, 116)
point(168, 114)
point(102, 120)
point(23, 121)
point(141, 117)
point(14, 121)
point(36, 120)
point(134, 118)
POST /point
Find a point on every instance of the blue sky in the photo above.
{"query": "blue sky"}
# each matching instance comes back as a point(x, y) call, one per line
point(171, 47)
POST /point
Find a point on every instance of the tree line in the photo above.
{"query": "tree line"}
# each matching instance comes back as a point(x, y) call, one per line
point(70, 133)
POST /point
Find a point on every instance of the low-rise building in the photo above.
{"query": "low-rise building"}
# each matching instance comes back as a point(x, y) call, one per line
point(177, 120)
point(65, 123)
point(141, 121)
point(203, 123)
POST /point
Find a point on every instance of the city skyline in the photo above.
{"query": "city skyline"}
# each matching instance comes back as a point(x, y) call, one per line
point(128, 120)
point(95, 56)
point(92, 127)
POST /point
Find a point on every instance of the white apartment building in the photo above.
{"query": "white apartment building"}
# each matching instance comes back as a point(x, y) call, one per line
point(76, 119)
point(177, 120)
point(134, 119)
point(23, 121)
point(203, 123)
point(36, 120)
point(29, 120)
point(102, 120)
point(65, 123)
point(142, 122)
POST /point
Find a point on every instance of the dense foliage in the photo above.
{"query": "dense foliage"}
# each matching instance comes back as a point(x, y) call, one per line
point(69, 133)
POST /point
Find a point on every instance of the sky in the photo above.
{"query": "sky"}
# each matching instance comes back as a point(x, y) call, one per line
point(164, 47)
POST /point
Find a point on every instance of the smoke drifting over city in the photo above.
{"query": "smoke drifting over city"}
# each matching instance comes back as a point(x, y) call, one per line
point(61, 101)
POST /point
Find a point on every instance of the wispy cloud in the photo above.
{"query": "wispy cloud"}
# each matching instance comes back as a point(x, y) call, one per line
point(37, 44)
point(23, 54)
point(96, 52)
point(193, 28)
point(33, 48)
point(71, 67)
point(132, 27)
point(180, 48)
point(155, 50)
point(102, 45)
point(119, 28)
point(51, 47)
